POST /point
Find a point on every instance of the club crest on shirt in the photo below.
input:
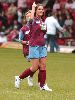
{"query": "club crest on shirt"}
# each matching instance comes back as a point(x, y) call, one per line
point(37, 22)
point(27, 32)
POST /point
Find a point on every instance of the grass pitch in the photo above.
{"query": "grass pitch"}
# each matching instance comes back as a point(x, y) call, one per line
point(60, 77)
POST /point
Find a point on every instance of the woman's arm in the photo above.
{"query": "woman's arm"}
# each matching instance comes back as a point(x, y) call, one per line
point(21, 38)
point(33, 10)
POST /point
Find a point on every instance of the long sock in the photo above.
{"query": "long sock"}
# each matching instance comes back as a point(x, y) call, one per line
point(26, 73)
point(42, 77)
point(31, 75)
point(39, 75)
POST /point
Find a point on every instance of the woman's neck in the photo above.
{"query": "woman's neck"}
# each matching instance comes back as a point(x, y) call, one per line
point(38, 17)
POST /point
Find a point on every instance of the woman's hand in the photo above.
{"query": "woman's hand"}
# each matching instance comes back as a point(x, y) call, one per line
point(33, 10)
point(25, 42)
point(34, 4)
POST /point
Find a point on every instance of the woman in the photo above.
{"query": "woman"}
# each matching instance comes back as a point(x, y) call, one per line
point(37, 49)
point(24, 37)
point(24, 34)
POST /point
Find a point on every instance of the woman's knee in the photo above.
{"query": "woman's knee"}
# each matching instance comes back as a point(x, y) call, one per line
point(43, 66)
point(34, 68)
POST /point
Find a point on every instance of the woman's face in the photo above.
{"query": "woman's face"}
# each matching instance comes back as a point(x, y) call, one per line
point(28, 16)
point(40, 11)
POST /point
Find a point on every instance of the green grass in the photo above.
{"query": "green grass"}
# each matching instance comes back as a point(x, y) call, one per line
point(60, 77)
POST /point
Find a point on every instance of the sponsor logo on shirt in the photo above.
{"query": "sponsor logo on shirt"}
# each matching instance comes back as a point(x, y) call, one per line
point(37, 22)
point(27, 32)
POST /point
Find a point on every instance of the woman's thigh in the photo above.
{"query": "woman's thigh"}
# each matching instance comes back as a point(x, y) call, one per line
point(35, 64)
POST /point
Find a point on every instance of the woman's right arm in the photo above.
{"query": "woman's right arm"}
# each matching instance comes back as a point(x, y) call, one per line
point(33, 10)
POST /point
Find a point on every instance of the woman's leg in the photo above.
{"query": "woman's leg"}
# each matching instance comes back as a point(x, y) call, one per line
point(42, 74)
point(27, 72)
point(42, 71)
point(31, 70)
point(30, 77)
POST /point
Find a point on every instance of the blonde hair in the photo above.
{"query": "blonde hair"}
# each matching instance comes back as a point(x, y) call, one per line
point(29, 11)
point(24, 18)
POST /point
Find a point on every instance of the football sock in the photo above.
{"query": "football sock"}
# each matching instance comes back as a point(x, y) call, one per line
point(26, 73)
point(39, 75)
point(42, 75)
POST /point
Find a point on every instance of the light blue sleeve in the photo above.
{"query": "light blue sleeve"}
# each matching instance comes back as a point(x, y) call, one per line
point(21, 36)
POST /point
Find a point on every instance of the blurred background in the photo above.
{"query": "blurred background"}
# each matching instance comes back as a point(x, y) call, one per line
point(12, 13)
